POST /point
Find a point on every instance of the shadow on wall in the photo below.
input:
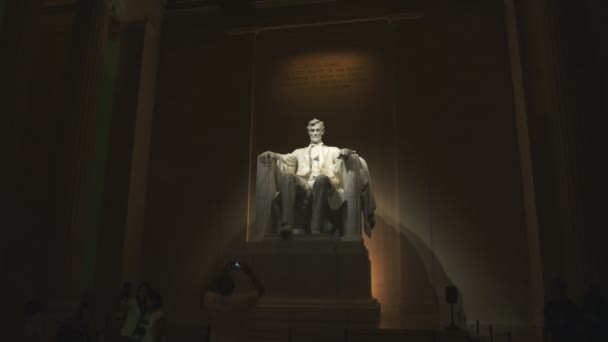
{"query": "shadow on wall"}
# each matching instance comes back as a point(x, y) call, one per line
point(424, 277)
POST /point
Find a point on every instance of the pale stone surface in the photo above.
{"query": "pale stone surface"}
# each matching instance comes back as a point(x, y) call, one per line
point(312, 279)
point(347, 193)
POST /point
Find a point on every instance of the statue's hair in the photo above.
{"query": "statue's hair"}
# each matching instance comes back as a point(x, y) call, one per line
point(314, 122)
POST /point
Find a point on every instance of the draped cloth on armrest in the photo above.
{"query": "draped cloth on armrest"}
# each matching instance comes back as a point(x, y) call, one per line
point(359, 196)
point(267, 184)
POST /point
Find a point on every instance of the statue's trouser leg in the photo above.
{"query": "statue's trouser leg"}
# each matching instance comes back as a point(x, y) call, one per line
point(319, 201)
point(290, 185)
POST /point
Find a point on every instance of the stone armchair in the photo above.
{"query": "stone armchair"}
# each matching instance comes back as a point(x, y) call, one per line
point(354, 184)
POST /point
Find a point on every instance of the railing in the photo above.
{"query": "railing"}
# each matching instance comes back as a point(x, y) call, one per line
point(492, 336)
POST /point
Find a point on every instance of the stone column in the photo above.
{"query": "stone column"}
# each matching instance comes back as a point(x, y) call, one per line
point(564, 123)
point(553, 115)
point(132, 248)
point(2, 7)
point(86, 58)
point(575, 36)
point(525, 157)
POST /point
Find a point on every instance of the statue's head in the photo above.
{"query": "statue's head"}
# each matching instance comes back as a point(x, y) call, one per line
point(315, 128)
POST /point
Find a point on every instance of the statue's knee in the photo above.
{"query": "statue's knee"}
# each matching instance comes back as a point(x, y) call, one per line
point(322, 180)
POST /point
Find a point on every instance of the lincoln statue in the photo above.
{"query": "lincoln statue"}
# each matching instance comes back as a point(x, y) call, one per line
point(314, 180)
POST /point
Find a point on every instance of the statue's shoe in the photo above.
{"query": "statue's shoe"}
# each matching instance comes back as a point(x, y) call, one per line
point(285, 232)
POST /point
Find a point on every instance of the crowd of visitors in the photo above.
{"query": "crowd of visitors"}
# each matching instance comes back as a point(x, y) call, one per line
point(139, 315)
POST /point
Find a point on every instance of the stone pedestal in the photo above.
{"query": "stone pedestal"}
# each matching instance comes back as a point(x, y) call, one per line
point(312, 279)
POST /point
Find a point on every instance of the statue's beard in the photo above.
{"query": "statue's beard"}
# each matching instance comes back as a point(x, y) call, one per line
point(315, 140)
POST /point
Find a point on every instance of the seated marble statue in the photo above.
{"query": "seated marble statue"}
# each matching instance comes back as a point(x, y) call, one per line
point(329, 185)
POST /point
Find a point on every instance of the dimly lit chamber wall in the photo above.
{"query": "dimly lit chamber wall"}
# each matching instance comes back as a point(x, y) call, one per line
point(29, 226)
point(197, 193)
point(427, 101)
point(477, 231)
point(39, 175)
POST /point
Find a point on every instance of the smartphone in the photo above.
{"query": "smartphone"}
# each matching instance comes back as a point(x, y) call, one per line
point(236, 265)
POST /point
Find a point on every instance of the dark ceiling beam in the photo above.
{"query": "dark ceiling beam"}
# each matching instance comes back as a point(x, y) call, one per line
point(57, 6)
point(262, 5)
point(247, 15)
point(287, 3)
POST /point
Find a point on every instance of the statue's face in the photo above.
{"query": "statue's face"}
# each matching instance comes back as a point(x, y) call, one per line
point(315, 133)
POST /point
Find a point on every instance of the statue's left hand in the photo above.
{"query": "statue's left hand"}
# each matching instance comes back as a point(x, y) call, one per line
point(266, 157)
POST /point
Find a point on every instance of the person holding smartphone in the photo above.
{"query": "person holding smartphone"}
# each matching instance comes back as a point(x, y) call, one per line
point(228, 309)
